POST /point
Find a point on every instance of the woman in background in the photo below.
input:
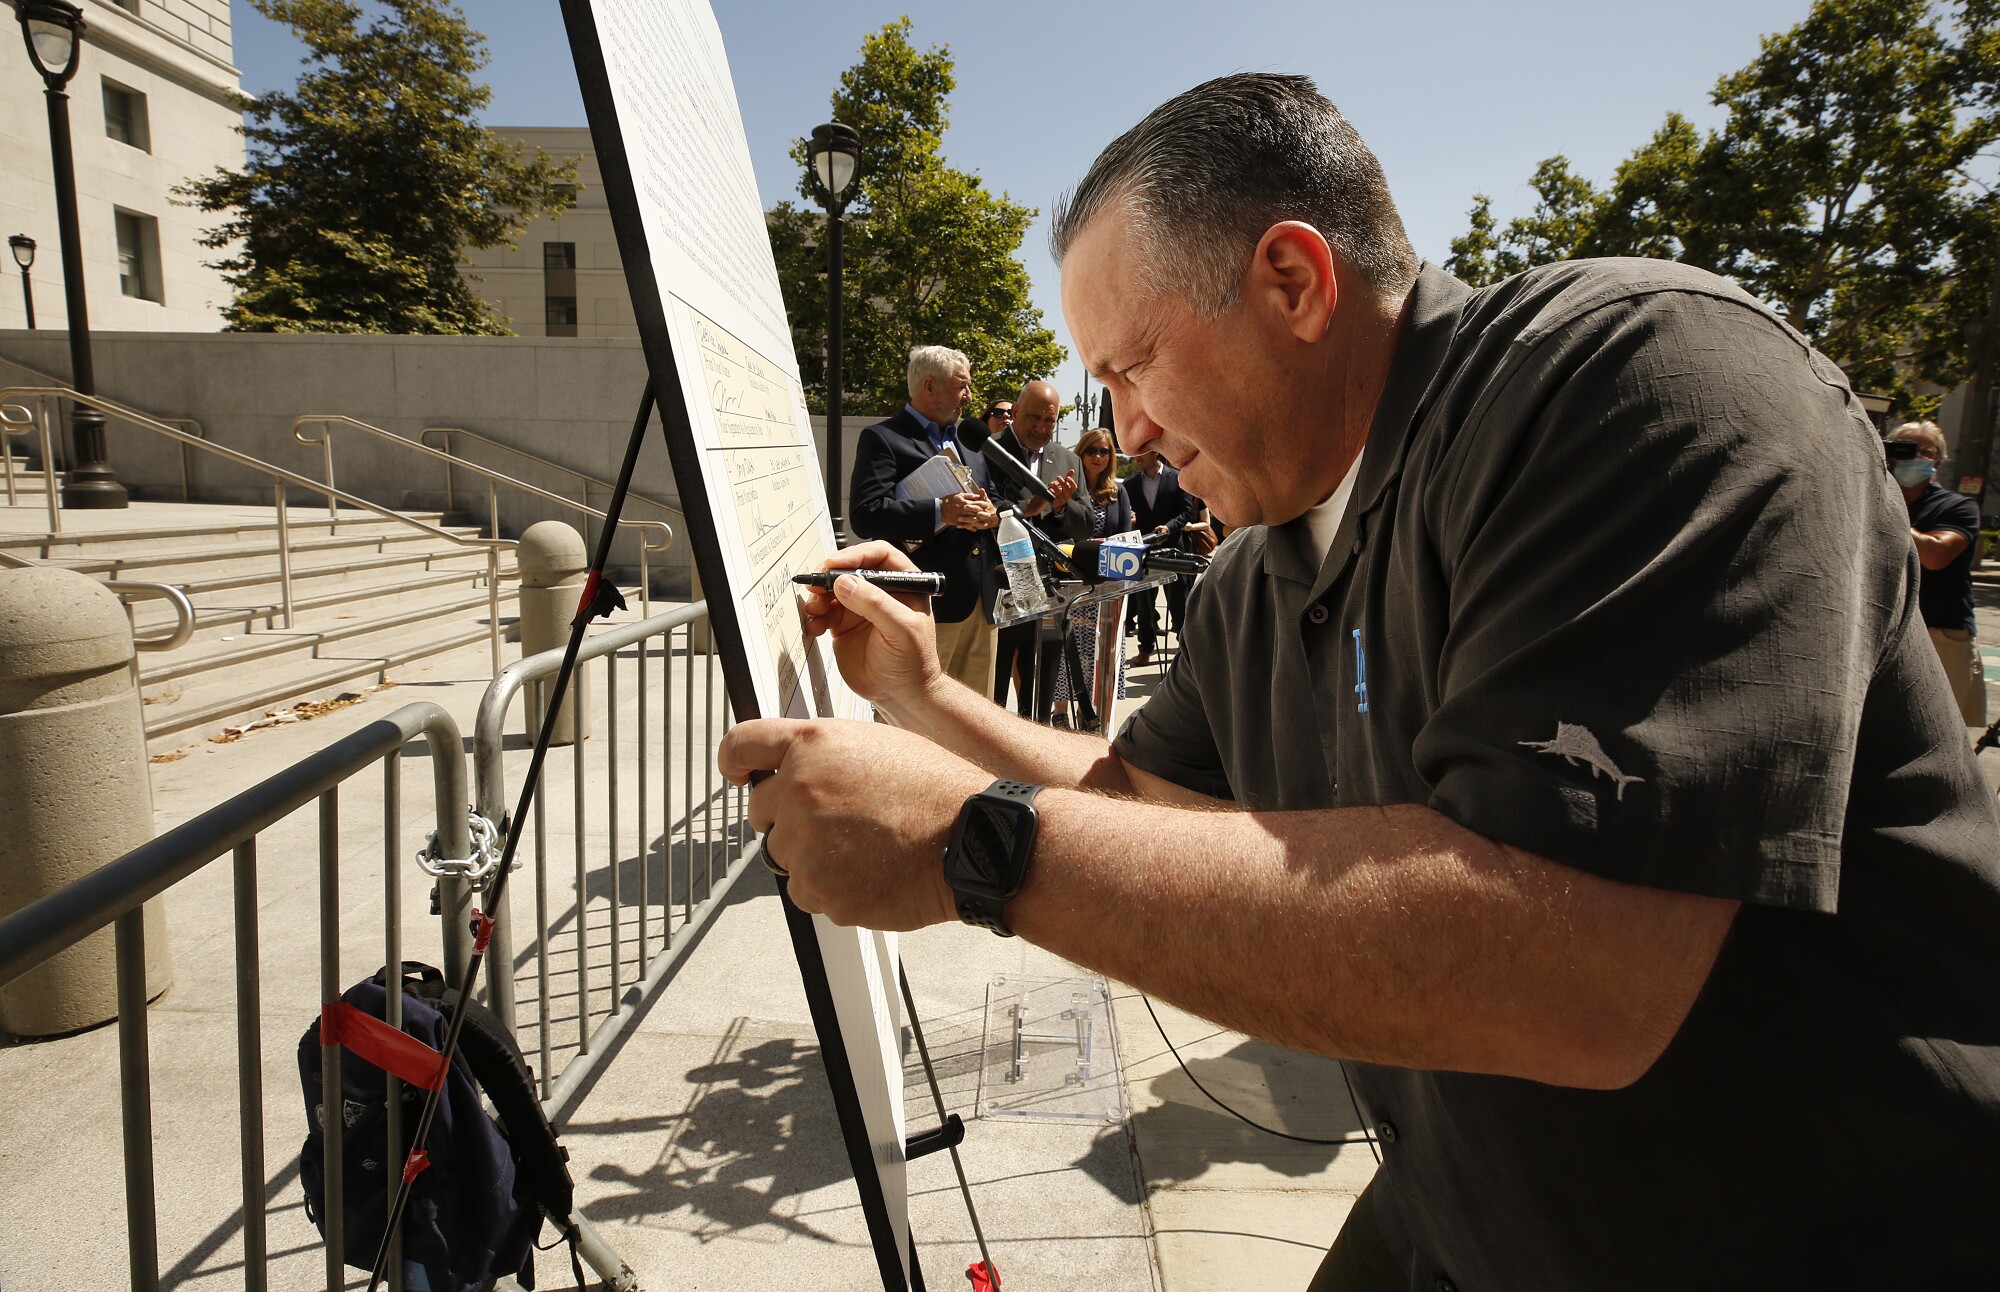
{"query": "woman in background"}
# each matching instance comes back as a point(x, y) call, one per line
point(1109, 514)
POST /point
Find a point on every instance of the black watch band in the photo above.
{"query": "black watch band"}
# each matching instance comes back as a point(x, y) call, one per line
point(984, 902)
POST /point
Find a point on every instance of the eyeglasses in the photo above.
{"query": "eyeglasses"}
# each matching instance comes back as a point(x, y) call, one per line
point(992, 413)
point(1099, 452)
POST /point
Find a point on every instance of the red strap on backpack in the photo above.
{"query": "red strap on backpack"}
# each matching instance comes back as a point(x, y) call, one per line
point(391, 1049)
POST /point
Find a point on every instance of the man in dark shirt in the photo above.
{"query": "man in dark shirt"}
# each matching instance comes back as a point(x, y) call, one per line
point(1945, 527)
point(1557, 743)
point(1027, 651)
point(1159, 506)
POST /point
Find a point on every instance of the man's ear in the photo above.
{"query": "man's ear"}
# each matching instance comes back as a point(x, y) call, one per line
point(1295, 273)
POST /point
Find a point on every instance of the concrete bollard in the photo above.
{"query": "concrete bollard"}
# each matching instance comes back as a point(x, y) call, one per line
point(77, 784)
point(553, 565)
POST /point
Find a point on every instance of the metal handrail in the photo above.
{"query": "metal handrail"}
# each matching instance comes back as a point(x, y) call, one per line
point(647, 528)
point(282, 477)
point(28, 420)
point(128, 591)
point(536, 458)
point(21, 420)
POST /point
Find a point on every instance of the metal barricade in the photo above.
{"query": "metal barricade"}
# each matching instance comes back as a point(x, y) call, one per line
point(649, 872)
point(115, 893)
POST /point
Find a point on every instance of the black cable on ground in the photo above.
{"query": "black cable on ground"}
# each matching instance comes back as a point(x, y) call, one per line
point(1366, 1136)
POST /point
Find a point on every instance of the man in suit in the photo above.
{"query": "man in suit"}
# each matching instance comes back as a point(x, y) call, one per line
point(953, 535)
point(1032, 440)
point(1159, 506)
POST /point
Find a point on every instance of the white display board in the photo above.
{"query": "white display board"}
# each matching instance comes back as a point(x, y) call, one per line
point(677, 171)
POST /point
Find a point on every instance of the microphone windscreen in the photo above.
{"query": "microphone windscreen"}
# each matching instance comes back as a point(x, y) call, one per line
point(972, 433)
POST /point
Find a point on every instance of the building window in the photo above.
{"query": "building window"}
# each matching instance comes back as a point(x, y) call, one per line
point(559, 315)
point(559, 255)
point(125, 116)
point(138, 256)
point(129, 6)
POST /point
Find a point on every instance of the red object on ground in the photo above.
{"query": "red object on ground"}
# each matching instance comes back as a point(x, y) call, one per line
point(394, 1051)
point(984, 1277)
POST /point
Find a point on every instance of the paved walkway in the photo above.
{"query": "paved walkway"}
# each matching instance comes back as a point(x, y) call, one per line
point(707, 1154)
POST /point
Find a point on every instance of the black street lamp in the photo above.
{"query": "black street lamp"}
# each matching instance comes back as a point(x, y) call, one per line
point(53, 30)
point(834, 150)
point(23, 248)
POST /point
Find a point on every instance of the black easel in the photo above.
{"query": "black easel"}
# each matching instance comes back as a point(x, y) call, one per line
point(649, 306)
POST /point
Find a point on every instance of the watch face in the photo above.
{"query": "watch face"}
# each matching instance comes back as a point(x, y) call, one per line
point(984, 861)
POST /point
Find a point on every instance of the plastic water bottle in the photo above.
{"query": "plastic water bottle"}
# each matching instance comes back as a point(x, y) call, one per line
point(1017, 557)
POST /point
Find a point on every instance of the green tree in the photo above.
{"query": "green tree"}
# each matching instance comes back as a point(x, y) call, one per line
point(1839, 189)
point(930, 255)
point(1566, 211)
point(363, 186)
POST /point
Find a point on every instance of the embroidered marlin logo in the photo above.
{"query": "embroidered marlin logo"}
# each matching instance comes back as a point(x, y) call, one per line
point(1575, 744)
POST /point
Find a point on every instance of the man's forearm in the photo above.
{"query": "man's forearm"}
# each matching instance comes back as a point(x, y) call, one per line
point(1388, 935)
point(1937, 549)
point(976, 729)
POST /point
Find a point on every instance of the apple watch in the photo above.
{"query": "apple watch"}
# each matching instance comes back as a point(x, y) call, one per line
point(987, 859)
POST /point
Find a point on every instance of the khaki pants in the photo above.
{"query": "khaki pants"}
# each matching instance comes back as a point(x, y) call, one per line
point(966, 651)
point(1960, 653)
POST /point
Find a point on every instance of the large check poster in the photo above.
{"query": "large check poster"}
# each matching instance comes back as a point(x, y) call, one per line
point(683, 198)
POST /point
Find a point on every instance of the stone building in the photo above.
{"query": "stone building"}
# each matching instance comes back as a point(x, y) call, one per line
point(150, 107)
point(565, 278)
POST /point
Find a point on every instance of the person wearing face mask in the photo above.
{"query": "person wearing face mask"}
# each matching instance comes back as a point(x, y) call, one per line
point(1944, 525)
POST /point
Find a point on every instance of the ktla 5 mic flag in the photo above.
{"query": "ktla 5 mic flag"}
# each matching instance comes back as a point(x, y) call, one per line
point(1121, 557)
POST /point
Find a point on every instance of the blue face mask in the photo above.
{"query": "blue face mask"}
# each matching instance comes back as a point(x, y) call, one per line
point(1914, 473)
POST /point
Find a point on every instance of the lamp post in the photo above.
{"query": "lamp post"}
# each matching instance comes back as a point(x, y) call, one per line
point(53, 30)
point(834, 150)
point(23, 248)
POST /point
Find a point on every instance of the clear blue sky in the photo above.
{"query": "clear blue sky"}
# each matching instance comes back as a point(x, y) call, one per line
point(1455, 97)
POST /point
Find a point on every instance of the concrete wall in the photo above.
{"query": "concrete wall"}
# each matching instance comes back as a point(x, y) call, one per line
point(570, 401)
point(175, 53)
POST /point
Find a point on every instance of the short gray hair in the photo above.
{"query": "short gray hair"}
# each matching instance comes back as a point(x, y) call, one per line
point(1928, 434)
point(934, 361)
point(1209, 171)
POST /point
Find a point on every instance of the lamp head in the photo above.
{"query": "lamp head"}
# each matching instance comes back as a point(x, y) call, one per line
point(835, 148)
point(54, 32)
point(23, 248)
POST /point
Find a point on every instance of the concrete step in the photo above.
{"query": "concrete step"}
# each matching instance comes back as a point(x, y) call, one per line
point(207, 655)
point(203, 707)
point(247, 613)
point(217, 559)
point(200, 702)
point(143, 540)
point(336, 567)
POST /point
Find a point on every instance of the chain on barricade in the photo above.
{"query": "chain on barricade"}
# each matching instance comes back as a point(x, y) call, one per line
point(477, 870)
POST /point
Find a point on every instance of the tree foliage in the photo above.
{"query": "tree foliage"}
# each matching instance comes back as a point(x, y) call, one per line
point(929, 254)
point(362, 186)
point(1566, 210)
point(1842, 188)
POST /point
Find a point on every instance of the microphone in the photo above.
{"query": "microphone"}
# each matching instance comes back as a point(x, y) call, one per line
point(974, 435)
point(1095, 560)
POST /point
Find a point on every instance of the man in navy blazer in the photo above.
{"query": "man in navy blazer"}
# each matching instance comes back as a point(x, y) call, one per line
point(1159, 506)
point(952, 536)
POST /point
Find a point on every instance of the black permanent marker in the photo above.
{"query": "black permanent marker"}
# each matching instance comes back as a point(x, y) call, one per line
point(904, 581)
